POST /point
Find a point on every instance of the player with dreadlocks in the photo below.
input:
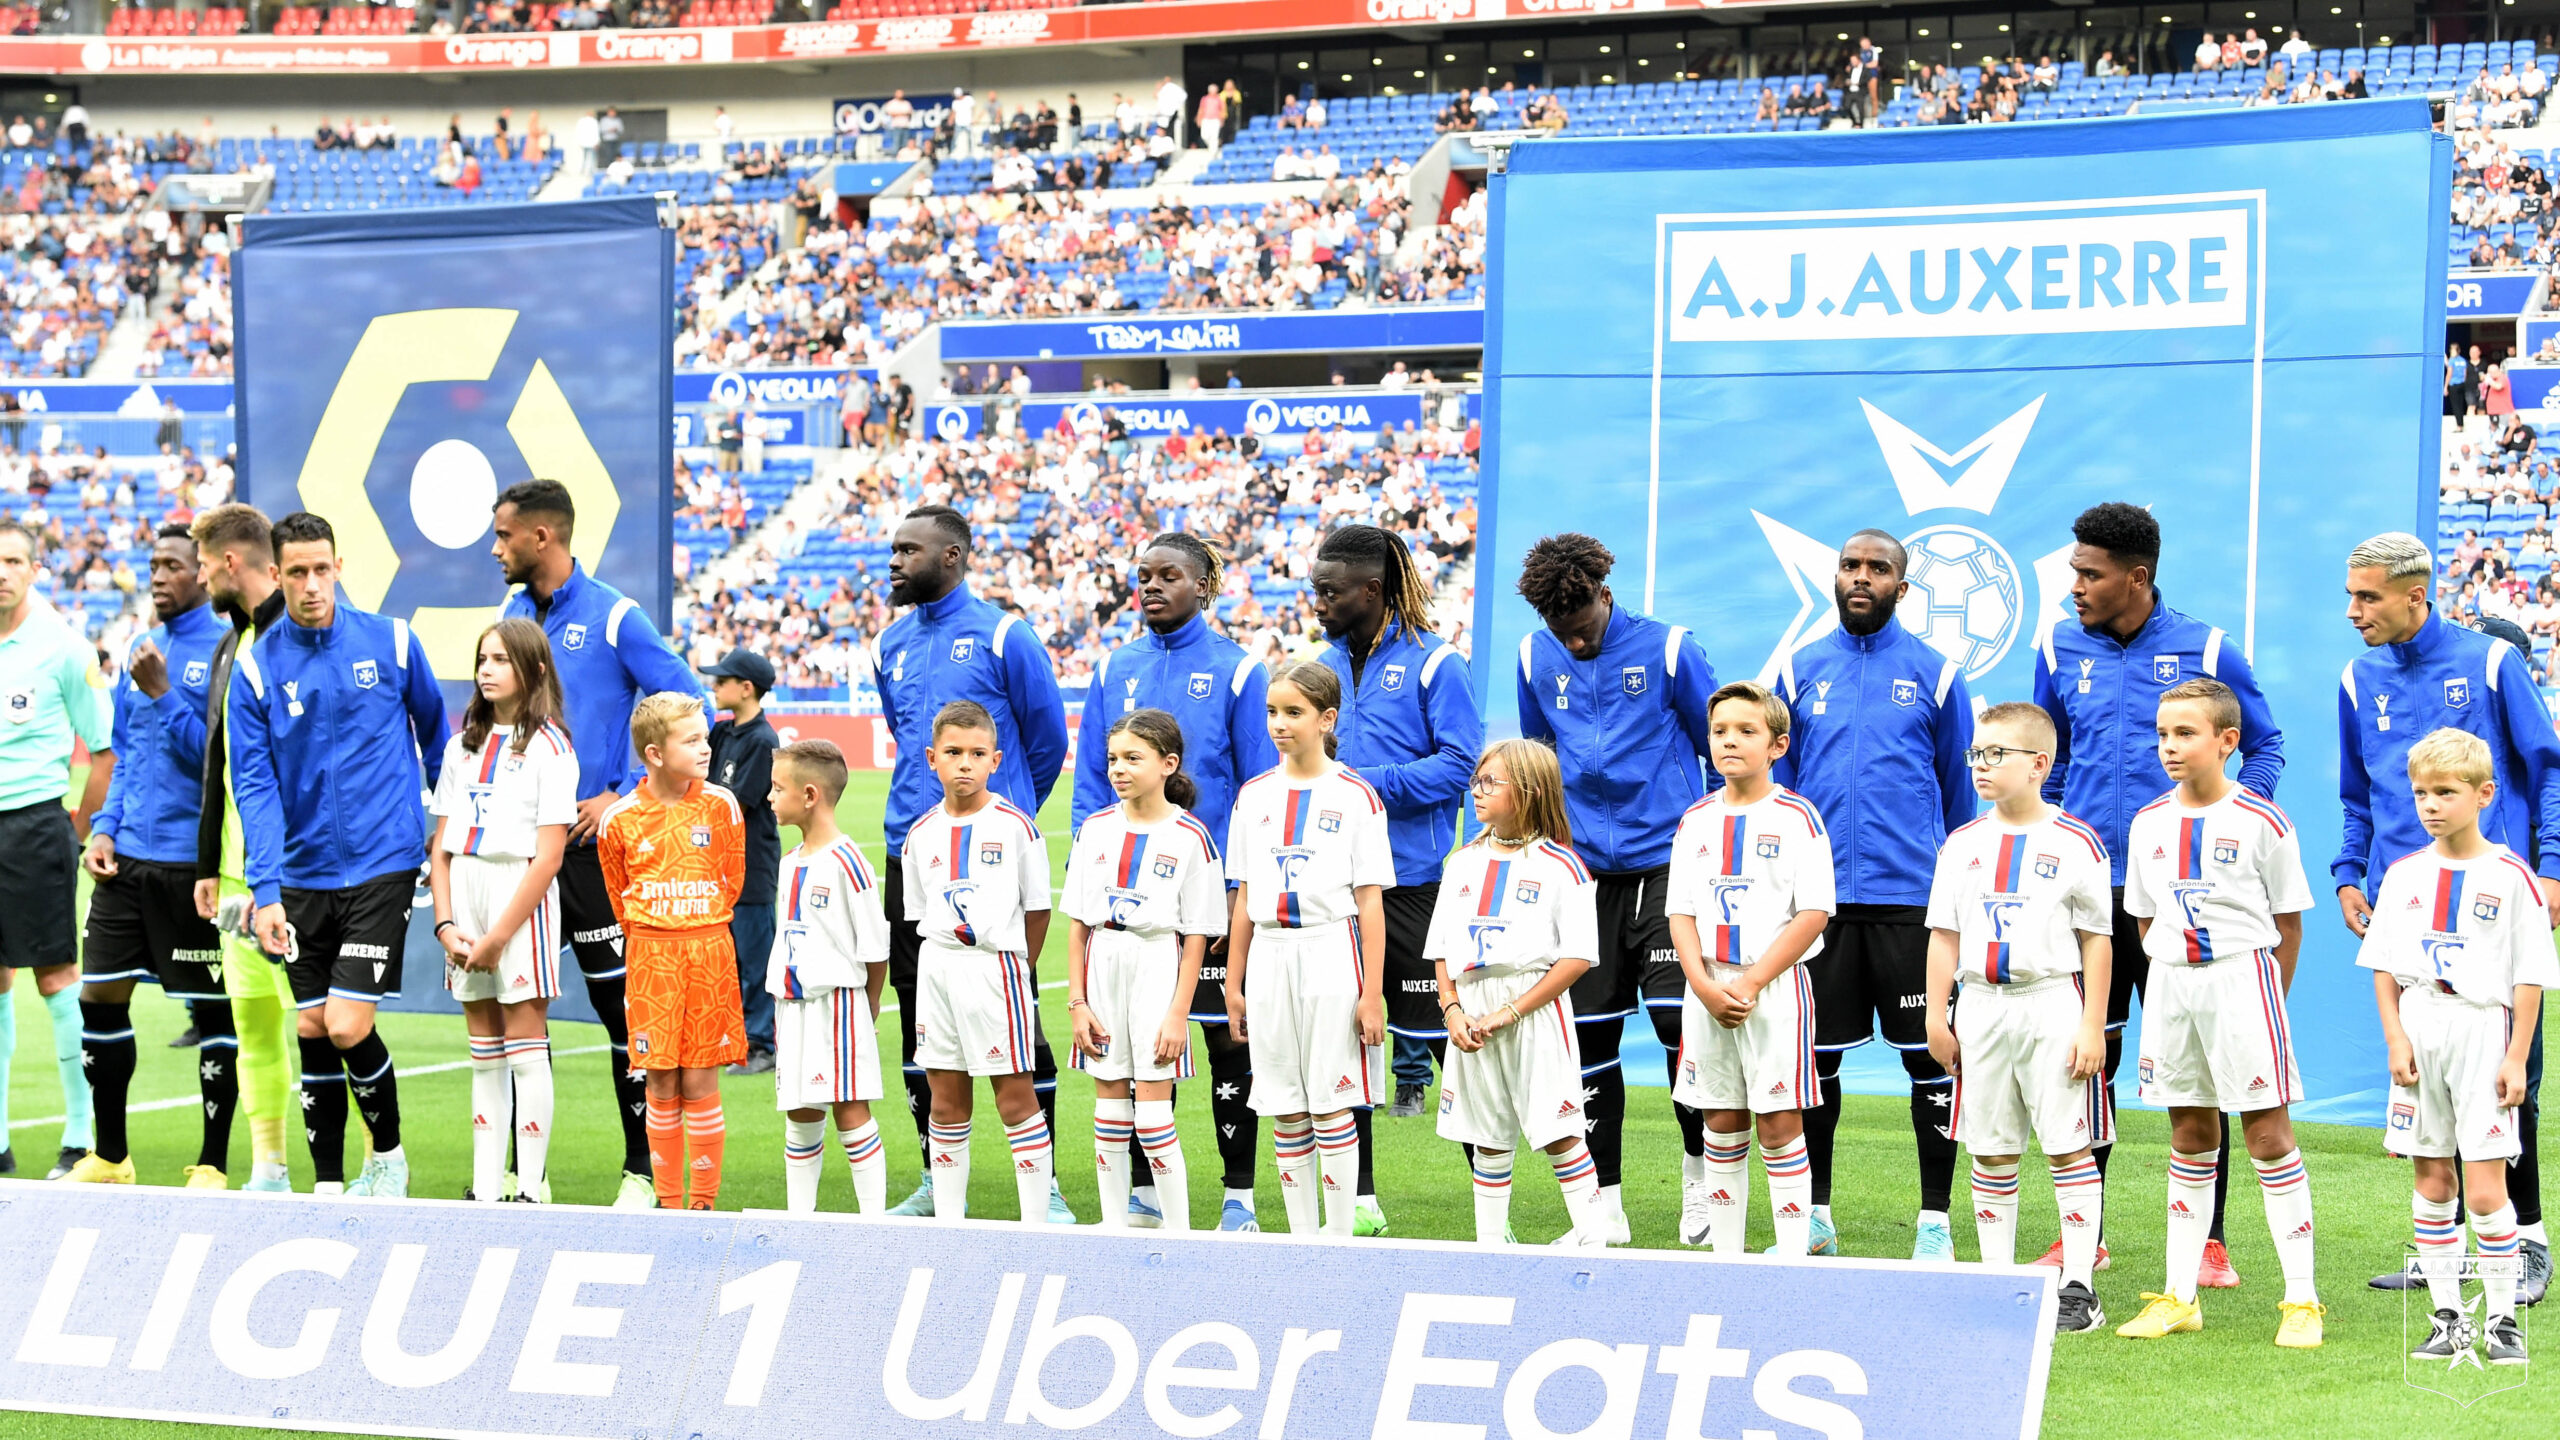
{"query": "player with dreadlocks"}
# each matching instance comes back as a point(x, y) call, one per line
point(1409, 727)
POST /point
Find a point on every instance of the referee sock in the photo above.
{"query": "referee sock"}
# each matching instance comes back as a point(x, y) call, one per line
point(1728, 1190)
point(218, 1075)
point(1790, 1196)
point(946, 1151)
point(1293, 1153)
point(324, 1109)
point(79, 1131)
point(666, 1150)
point(2493, 1234)
point(376, 1089)
point(2079, 1196)
point(1115, 1129)
point(492, 1116)
point(2191, 1218)
point(1995, 1212)
point(2286, 1187)
point(706, 1134)
point(804, 1157)
point(868, 1158)
point(1493, 1195)
point(529, 1068)
point(1035, 1167)
point(1163, 1147)
point(107, 1049)
point(1337, 1152)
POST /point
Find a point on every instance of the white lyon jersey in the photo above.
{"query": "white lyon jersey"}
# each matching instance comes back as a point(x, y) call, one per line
point(971, 878)
point(1302, 847)
point(1514, 913)
point(493, 800)
point(2018, 898)
point(2475, 928)
point(2212, 881)
point(1148, 880)
point(1744, 871)
point(828, 928)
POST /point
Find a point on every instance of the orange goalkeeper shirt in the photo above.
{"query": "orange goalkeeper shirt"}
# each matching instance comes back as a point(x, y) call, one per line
point(674, 866)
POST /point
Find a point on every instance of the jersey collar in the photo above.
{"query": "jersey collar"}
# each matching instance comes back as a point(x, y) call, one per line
point(191, 623)
point(2423, 645)
point(949, 605)
point(1185, 635)
point(568, 594)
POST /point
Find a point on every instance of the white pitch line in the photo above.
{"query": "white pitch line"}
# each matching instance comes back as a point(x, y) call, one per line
point(186, 1101)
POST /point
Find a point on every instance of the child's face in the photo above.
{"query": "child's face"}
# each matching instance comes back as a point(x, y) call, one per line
point(793, 800)
point(2448, 805)
point(2007, 765)
point(728, 692)
point(1497, 799)
point(1739, 732)
point(686, 752)
point(963, 757)
point(1134, 767)
point(1297, 726)
point(496, 673)
point(2190, 747)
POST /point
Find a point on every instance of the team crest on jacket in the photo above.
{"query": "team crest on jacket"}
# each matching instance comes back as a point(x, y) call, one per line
point(1165, 866)
point(2226, 852)
point(2048, 866)
point(1527, 891)
point(2164, 669)
point(819, 897)
point(367, 675)
point(574, 637)
point(701, 837)
point(1201, 681)
point(962, 648)
point(991, 854)
point(2457, 693)
point(2485, 908)
point(1329, 821)
point(1765, 846)
point(197, 672)
point(1906, 692)
point(1631, 680)
point(1394, 681)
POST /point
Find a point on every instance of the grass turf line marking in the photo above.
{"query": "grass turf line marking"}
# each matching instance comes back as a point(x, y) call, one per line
point(186, 1101)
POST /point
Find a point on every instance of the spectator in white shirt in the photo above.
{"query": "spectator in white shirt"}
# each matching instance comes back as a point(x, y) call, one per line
point(2295, 47)
point(2208, 53)
point(1169, 98)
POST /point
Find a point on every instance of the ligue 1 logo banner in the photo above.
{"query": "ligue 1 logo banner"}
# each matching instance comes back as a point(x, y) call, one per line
point(1724, 356)
point(397, 369)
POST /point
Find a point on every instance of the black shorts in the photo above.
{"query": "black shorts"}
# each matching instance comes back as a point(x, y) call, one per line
point(595, 937)
point(1636, 967)
point(2128, 969)
point(1413, 994)
point(1874, 967)
point(39, 887)
point(348, 943)
point(143, 925)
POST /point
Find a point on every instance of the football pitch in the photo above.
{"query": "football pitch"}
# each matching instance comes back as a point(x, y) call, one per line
point(2229, 1381)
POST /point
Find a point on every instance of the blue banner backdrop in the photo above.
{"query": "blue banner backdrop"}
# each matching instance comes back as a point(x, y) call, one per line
point(396, 370)
point(1234, 411)
point(1390, 327)
point(446, 1318)
point(1723, 356)
point(2488, 294)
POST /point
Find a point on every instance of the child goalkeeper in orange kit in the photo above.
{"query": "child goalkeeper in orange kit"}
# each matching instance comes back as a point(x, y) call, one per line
point(675, 858)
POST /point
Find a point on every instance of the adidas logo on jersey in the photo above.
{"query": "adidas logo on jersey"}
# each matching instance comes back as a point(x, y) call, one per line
point(2497, 1130)
point(2159, 852)
point(2257, 1082)
point(1778, 1089)
point(1342, 1084)
point(995, 1052)
point(817, 1079)
point(1564, 1109)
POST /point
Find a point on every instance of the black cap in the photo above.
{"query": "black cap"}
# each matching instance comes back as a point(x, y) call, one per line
point(2498, 627)
point(747, 665)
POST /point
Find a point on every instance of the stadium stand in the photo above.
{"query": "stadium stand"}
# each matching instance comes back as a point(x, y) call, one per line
point(2483, 83)
point(138, 22)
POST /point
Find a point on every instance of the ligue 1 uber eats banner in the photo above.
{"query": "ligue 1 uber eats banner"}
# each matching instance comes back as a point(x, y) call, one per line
point(1723, 356)
point(424, 1318)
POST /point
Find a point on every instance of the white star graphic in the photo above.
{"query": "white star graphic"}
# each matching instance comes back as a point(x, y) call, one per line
point(88, 1058)
point(1228, 1089)
point(210, 1070)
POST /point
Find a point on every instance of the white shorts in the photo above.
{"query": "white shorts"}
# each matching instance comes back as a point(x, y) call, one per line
point(1129, 982)
point(1302, 1023)
point(826, 1050)
point(976, 1011)
point(1763, 1065)
point(2215, 1036)
point(2453, 1110)
point(1527, 1080)
point(2014, 1046)
point(529, 968)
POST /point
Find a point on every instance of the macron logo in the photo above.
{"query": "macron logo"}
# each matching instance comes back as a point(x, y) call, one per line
point(1969, 479)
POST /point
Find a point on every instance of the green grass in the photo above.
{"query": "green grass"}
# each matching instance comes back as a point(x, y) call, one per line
point(2227, 1382)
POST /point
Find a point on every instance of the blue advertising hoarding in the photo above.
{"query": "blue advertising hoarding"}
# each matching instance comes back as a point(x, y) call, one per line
point(2488, 294)
point(1722, 356)
point(1390, 327)
point(1236, 412)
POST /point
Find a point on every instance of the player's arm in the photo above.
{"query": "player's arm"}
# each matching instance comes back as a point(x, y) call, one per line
point(1456, 736)
point(2261, 739)
point(255, 789)
point(2529, 732)
point(2511, 1070)
point(1940, 987)
point(1950, 737)
point(615, 861)
point(425, 701)
point(1693, 684)
point(1175, 1032)
point(182, 729)
point(1816, 897)
point(449, 937)
point(2288, 945)
point(1788, 947)
point(2048, 697)
point(1039, 715)
point(1534, 721)
point(1090, 1038)
point(1092, 790)
point(1368, 901)
point(2097, 957)
point(1248, 723)
point(2355, 798)
point(91, 708)
point(98, 857)
point(2395, 1039)
point(1239, 947)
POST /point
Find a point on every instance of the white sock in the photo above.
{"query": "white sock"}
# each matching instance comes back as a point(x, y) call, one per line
point(1338, 1163)
point(1163, 1147)
point(529, 1066)
point(869, 1161)
point(267, 1170)
point(1034, 1167)
point(1585, 1199)
point(1926, 1217)
point(1728, 1167)
point(2080, 1197)
point(2191, 1218)
point(1995, 1212)
point(947, 1155)
point(2439, 1235)
point(1239, 1197)
point(1693, 1168)
point(492, 1112)
point(2494, 1235)
point(1790, 1171)
point(2534, 1232)
point(2286, 1188)
point(1293, 1152)
point(804, 1156)
point(1613, 1203)
point(329, 1187)
point(1113, 1123)
point(1493, 1196)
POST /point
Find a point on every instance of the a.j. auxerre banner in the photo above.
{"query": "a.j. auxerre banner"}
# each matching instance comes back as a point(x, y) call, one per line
point(444, 1318)
point(1723, 356)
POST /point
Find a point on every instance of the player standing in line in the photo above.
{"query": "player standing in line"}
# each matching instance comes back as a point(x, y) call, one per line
point(2459, 941)
point(950, 646)
point(1881, 721)
point(1144, 894)
point(1409, 728)
point(142, 922)
point(2101, 681)
point(674, 853)
point(1517, 913)
point(1622, 699)
point(235, 553)
point(329, 736)
point(2418, 674)
point(1309, 852)
point(977, 889)
point(2019, 908)
point(1750, 892)
point(609, 656)
point(50, 691)
point(1215, 691)
point(503, 809)
point(831, 968)
point(2216, 883)
point(742, 747)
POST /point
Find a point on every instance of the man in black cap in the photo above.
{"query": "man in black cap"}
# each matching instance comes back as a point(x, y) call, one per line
point(742, 749)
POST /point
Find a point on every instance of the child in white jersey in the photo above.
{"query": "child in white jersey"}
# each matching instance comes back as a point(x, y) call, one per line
point(503, 807)
point(977, 885)
point(1144, 894)
point(830, 968)
point(2022, 908)
point(2460, 949)
point(1307, 850)
point(1749, 894)
point(1515, 925)
point(2214, 878)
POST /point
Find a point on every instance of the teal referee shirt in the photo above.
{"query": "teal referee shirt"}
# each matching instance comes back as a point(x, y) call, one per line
point(50, 690)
